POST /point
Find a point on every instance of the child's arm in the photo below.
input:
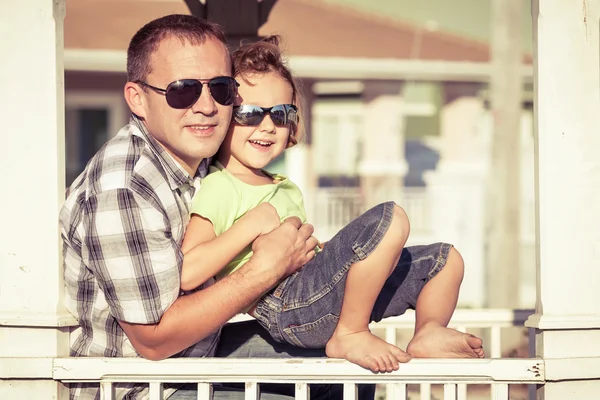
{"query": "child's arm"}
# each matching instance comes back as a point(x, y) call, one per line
point(205, 254)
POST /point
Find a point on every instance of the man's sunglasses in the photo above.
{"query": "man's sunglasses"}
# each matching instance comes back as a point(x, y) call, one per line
point(184, 93)
point(281, 114)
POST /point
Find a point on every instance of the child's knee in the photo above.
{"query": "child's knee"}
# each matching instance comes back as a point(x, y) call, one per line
point(455, 263)
point(400, 225)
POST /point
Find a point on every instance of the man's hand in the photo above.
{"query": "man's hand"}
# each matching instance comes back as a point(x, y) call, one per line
point(285, 250)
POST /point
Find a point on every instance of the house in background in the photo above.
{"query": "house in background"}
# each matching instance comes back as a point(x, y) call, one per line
point(397, 110)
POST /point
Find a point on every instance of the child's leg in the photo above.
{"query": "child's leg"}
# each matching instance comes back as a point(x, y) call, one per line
point(435, 306)
point(352, 339)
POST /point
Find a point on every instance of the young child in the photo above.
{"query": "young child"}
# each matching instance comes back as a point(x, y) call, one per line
point(330, 301)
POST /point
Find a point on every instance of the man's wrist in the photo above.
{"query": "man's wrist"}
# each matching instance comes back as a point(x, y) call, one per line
point(264, 277)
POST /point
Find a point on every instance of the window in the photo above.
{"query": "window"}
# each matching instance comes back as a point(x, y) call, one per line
point(90, 120)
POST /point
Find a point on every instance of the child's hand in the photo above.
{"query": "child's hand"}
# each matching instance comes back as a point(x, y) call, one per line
point(265, 217)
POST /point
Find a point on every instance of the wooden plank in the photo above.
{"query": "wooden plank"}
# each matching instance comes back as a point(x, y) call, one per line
point(425, 391)
point(396, 391)
point(156, 391)
point(252, 391)
point(205, 391)
point(450, 391)
point(107, 391)
point(500, 391)
point(350, 391)
point(26, 367)
point(295, 370)
point(302, 391)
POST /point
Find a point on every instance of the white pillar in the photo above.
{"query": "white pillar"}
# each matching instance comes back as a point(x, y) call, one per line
point(527, 271)
point(33, 321)
point(567, 120)
point(456, 190)
point(299, 159)
point(382, 167)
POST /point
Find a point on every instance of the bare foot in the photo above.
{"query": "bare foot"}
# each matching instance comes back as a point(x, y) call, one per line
point(442, 342)
point(367, 350)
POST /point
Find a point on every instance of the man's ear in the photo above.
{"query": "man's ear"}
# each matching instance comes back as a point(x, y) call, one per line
point(135, 98)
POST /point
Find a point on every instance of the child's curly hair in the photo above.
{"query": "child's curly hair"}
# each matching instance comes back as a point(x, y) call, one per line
point(265, 56)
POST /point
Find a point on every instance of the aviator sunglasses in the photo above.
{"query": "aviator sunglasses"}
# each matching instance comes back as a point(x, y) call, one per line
point(281, 114)
point(185, 92)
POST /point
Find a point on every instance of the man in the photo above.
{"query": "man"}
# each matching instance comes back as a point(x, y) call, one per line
point(123, 220)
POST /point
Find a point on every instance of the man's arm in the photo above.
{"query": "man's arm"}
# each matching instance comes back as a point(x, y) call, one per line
point(135, 260)
point(206, 254)
point(193, 317)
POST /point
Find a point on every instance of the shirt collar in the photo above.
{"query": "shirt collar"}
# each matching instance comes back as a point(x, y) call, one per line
point(176, 174)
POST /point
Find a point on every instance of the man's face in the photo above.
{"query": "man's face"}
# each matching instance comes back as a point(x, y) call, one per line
point(194, 133)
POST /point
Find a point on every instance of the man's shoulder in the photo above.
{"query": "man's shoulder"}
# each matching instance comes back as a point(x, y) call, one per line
point(124, 160)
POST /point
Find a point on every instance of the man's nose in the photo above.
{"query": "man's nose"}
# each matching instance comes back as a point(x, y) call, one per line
point(205, 104)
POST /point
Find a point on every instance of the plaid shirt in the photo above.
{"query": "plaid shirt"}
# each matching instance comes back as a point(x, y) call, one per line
point(122, 226)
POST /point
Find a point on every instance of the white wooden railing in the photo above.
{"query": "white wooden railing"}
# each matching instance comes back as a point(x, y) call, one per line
point(421, 378)
point(449, 374)
point(334, 208)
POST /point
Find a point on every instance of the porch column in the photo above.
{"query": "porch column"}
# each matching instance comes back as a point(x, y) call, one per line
point(33, 321)
point(382, 167)
point(567, 122)
point(299, 159)
point(456, 187)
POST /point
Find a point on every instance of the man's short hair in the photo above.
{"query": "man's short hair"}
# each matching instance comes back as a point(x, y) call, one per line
point(146, 41)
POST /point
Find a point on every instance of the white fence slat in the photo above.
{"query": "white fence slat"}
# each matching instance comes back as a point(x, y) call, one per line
point(425, 391)
point(396, 391)
point(350, 391)
point(499, 391)
point(204, 391)
point(156, 391)
point(496, 339)
point(252, 391)
point(302, 391)
point(449, 391)
point(107, 391)
point(461, 391)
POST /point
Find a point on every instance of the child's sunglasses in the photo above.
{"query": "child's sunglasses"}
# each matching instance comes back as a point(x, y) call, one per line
point(184, 93)
point(281, 114)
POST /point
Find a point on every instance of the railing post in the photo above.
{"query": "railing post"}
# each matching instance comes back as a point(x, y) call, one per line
point(33, 322)
point(567, 96)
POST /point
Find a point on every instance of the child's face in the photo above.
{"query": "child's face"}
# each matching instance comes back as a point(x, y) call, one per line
point(254, 147)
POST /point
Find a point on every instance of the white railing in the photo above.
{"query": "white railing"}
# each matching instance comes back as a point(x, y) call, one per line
point(334, 208)
point(443, 378)
point(450, 374)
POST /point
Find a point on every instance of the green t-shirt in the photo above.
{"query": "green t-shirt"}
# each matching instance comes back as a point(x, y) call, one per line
point(223, 199)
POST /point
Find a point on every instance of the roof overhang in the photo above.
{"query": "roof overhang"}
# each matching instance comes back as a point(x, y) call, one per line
point(323, 68)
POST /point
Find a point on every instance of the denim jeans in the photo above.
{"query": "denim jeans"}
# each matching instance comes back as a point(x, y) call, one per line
point(303, 310)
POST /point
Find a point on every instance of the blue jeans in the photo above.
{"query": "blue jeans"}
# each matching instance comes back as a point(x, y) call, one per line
point(303, 310)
